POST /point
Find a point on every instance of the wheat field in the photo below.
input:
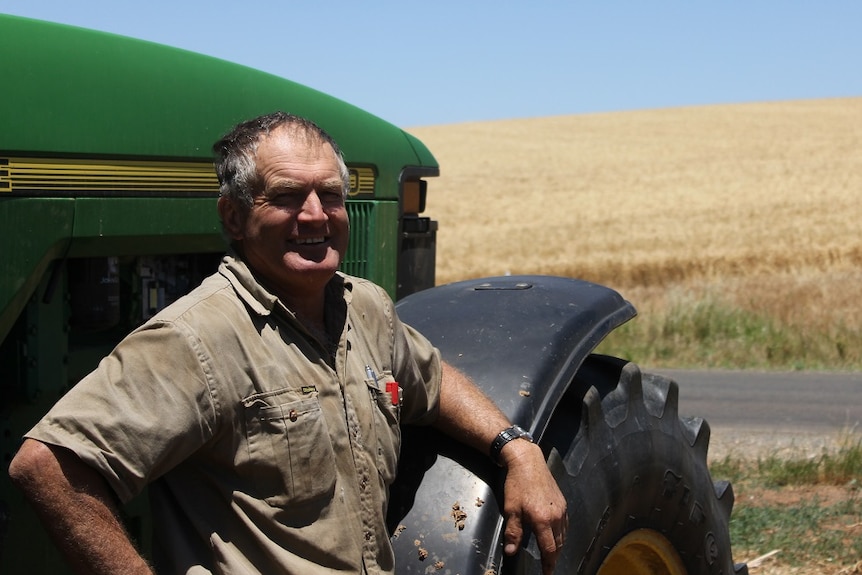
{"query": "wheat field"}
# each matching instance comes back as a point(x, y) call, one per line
point(757, 206)
point(760, 203)
point(648, 197)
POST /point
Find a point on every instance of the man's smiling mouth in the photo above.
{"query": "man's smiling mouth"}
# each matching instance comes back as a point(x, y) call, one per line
point(310, 241)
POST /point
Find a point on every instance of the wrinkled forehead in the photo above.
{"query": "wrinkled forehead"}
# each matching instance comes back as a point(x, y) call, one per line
point(295, 143)
point(298, 134)
point(295, 140)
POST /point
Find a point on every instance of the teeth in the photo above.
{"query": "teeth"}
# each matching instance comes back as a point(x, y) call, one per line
point(307, 241)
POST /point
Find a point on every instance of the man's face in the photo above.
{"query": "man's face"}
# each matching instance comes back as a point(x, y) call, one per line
point(296, 232)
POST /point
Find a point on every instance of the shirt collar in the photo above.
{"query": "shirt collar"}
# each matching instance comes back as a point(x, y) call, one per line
point(261, 300)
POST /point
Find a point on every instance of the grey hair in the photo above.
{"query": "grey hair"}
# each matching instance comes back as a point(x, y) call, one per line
point(235, 165)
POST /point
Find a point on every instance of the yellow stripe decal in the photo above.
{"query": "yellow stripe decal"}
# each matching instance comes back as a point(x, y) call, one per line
point(53, 175)
point(361, 181)
point(34, 175)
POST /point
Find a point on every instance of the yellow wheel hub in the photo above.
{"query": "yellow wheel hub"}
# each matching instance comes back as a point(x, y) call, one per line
point(643, 552)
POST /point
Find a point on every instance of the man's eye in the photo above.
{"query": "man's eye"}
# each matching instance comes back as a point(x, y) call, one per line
point(284, 198)
point(331, 196)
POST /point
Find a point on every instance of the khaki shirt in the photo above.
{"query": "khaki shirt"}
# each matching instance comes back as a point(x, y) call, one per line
point(266, 452)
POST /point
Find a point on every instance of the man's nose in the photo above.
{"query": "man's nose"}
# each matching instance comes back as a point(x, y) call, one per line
point(312, 208)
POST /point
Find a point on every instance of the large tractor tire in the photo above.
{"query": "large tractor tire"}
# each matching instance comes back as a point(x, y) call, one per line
point(641, 499)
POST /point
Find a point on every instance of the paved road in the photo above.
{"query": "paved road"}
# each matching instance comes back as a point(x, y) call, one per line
point(780, 409)
point(804, 401)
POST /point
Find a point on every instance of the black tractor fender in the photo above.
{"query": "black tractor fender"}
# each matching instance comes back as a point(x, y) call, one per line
point(521, 339)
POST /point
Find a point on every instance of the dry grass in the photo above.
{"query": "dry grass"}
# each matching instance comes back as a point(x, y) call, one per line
point(760, 203)
point(646, 198)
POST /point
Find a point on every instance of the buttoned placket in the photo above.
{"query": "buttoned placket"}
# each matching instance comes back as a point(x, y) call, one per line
point(364, 464)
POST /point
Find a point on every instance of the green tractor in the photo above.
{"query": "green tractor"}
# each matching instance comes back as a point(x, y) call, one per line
point(107, 206)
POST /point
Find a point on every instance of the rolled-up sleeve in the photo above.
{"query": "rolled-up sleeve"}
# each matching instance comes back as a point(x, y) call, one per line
point(143, 410)
point(419, 372)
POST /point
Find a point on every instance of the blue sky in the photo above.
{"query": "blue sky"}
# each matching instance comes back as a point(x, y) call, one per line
point(449, 61)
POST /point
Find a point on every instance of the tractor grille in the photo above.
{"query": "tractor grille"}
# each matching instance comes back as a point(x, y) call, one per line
point(361, 216)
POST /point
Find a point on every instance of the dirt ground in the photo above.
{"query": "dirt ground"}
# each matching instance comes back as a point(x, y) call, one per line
point(751, 444)
point(767, 569)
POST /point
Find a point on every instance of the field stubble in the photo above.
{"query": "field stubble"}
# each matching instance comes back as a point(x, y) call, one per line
point(753, 209)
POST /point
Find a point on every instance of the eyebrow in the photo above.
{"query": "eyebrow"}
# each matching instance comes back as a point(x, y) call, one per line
point(287, 184)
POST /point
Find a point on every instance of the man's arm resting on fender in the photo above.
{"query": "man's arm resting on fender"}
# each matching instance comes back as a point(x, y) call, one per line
point(77, 508)
point(531, 493)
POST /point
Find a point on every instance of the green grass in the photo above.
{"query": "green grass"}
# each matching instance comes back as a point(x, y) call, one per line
point(713, 334)
point(811, 530)
point(842, 466)
point(804, 533)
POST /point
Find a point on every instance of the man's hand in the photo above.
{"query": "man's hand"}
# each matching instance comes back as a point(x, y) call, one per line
point(532, 497)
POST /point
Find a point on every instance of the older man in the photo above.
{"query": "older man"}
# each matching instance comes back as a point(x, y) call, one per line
point(260, 407)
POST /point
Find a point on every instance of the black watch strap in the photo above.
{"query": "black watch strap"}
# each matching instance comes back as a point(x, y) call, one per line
point(504, 437)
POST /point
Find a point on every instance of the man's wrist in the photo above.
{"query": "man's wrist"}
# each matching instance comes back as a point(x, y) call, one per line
point(504, 438)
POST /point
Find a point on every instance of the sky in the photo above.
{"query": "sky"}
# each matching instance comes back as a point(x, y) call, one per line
point(451, 61)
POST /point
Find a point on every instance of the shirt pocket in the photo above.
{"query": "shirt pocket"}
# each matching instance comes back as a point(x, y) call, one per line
point(386, 408)
point(291, 459)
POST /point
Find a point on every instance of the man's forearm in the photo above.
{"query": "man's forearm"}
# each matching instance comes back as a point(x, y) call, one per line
point(467, 413)
point(76, 507)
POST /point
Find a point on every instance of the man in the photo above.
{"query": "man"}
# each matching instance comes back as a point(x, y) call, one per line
point(256, 407)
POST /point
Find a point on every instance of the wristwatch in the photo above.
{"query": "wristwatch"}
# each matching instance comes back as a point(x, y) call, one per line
point(505, 436)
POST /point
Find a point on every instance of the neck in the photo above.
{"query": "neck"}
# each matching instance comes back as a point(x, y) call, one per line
point(309, 310)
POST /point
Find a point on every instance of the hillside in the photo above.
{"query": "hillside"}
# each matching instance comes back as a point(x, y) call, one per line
point(650, 197)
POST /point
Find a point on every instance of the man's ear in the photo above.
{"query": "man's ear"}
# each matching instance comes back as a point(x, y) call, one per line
point(232, 218)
